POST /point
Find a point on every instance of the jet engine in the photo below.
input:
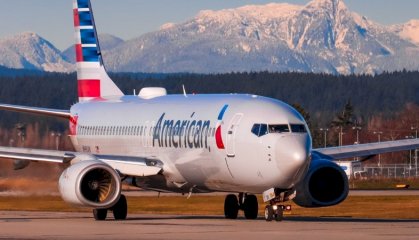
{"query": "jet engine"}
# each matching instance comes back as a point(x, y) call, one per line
point(90, 183)
point(325, 184)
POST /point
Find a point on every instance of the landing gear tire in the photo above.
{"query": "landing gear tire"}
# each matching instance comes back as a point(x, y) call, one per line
point(279, 214)
point(269, 213)
point(231, 206)
point(120, 209)
point(100, 214)
point(251, 207)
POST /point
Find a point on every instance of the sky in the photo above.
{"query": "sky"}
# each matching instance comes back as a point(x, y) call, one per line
point(52, 19)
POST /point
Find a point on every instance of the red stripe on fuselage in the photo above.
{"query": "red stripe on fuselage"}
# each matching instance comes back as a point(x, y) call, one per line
point(89, 88)
point(76, 17)
point(73, 125)
point(218, 138)
point(79, 53)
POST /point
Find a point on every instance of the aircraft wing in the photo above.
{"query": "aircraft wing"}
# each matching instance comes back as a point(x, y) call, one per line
point(366, 150)
point(36, 110)
point(130, 166)
point(36, 155)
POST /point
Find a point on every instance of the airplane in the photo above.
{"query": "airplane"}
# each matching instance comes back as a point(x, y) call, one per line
point(240, 144)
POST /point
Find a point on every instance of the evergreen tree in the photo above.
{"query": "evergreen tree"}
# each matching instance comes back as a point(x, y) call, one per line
point(345, 118)
point(303, 112)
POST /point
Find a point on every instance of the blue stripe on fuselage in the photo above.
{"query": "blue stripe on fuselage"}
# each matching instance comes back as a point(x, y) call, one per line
point(221, 115)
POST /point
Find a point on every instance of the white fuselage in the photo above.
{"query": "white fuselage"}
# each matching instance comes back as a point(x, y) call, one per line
point(181, 132)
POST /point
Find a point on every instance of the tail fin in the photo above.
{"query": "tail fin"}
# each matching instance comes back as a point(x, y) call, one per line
point(93, 81)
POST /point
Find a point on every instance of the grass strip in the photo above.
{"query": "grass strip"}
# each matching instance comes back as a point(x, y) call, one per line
point(380, 207)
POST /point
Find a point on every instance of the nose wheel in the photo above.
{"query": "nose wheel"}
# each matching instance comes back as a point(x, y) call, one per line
point(274, 212)
point(248, 203)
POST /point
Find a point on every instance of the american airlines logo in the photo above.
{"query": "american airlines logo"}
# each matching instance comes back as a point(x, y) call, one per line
point(181, 133)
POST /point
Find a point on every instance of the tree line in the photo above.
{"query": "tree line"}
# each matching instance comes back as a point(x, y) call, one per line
point(321, 97)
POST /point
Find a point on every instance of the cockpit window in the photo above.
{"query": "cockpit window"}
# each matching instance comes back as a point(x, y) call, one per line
point(280, 128)
point(263, 130)
point(298, 128)
point(260, 129)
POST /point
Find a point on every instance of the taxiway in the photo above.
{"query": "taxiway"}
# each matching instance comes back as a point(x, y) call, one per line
point(52, 225)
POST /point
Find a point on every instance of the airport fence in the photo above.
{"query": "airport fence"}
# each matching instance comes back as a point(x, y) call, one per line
point(389, 171)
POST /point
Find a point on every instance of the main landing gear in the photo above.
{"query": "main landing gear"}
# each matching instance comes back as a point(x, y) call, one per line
point(246, 202)
point(119, 210)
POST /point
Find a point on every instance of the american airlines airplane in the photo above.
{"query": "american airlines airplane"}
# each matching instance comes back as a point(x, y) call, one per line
point(234, 143)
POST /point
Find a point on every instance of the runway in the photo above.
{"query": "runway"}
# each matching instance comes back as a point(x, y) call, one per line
point(47, 225)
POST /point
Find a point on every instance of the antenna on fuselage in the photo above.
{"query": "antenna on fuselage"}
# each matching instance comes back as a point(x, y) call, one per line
point(184, 91)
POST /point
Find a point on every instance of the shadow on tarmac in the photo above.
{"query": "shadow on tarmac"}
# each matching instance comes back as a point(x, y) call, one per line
point(147, 217)
point(286, 218)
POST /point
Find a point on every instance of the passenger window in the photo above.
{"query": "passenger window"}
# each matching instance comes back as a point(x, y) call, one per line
point(280, 128)
point(260, 129)
point(298, 128)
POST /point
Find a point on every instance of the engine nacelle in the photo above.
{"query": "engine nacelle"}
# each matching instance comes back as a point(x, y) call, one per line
point(90, 183)
point(325, 184)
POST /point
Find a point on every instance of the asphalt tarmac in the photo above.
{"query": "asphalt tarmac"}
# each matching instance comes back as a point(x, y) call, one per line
point(47, 225)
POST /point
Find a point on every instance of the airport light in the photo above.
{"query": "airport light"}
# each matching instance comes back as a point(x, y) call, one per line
point(379, 140)
point(57, 139)
point(357, 128)
point(357, 133)
point(416, 130)
point(341, 136)
point(11, 142)
point(416, 161)
point(21, 132)
point(416, 150)
point(410, 153)
point(325, 130)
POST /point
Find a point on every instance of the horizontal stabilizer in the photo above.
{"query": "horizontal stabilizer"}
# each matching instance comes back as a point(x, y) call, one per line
point(36, 110)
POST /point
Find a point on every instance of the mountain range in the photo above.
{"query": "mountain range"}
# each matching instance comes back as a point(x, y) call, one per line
point(321, 36)
point(31, 52)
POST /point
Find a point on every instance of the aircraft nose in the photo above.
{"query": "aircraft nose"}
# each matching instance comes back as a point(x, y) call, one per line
point(292, 156)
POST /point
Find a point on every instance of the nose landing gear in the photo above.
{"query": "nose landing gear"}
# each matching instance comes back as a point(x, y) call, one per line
point(248, 203)
point(275, 197)
point(274, 212)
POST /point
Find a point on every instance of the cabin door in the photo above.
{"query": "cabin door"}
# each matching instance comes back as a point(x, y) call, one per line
point(231, 135)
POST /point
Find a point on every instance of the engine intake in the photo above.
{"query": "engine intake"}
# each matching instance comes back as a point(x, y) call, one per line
point(90, 183)
point(325, 184)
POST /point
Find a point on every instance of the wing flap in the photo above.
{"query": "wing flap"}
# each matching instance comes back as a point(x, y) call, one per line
point(130, 166)
point(369, 149)
point(133, 166)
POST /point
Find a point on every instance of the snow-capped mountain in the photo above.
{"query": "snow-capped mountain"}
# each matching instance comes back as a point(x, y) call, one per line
point(322, 36)
point(30, 51)
point(408, 31)
point(107, 42)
